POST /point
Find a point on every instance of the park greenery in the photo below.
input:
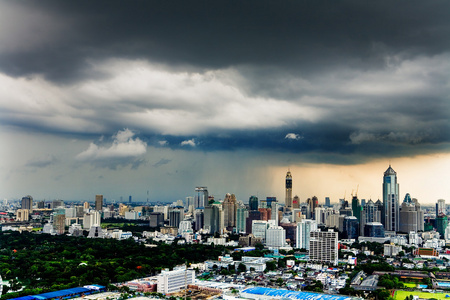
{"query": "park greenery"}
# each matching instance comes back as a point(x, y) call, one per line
point(39, 263)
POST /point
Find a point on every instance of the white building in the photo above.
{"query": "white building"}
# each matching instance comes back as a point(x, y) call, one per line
point(303, 230)
point(174, 281)
point(323, 246)
point(275, 237)
point(90, 219)
point(185, 227)
point(391, 250)
point(259, 229)
point(132, 215)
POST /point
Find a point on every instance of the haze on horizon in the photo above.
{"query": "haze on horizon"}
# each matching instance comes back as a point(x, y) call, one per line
point(98, 97)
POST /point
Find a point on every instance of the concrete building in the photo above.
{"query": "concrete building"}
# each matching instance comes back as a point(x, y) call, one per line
point(27, 203)
point(391, 209)
point(156, 219)
point(23, 215)
point(323, 246)
point(201, 197)
point(303, 233)
point(259, 228)
point(99, 202)
point(275, 237)
point(229, 211)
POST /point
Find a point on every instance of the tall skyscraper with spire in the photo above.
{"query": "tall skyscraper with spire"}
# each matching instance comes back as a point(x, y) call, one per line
point(288, 199)
point(390, 200)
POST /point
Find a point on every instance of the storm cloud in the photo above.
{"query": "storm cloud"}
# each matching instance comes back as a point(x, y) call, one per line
point(341, 83)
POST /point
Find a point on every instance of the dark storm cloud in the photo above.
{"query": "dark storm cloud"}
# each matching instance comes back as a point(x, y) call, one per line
point(301, 36)
point(316, 78)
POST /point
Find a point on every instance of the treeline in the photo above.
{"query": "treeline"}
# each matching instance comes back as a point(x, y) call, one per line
point(42, 262)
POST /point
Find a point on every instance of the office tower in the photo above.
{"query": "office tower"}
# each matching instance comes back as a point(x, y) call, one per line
point(199, 220)
point(288, 198)
point(440, 207)
point(129, 199)
point(390, 200)
point(303, 229)
point(27, 203)
point(59, 220)
point(311, 203)
point(253, 215)
point(323, 246)
point(241, 216)
point(275, 212)
point(175, 217)
point(156, 219)
point(408, 216)
point(275, 237)
point(370, 213)
point(86, 205)
point(212, 219)
point(229, 211)
point(420, 215)
point(291, 231)
point(190, 204)
point(351, 227)
point(270, 201)
point(441, 224)
point(296, 202)
point(201, 197)
point(374, 229)
point(259, 229)
point(253, 203)
point(98, 202)
point(356, 208)
point(327, 202)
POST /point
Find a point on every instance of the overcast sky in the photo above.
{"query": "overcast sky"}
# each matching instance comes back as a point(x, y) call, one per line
point(120, 98)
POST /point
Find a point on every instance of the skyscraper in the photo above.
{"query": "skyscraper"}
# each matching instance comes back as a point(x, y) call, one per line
point(229, 208)
point(440, 207)
point(390, 200)
point(253, 202)
point(288, 199)
point(27, 203)
point(99, 202)
point(323, 246)
point(201, 197)
point(303, 229)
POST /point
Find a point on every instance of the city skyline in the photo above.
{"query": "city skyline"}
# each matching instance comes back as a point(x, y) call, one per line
point(111, 99)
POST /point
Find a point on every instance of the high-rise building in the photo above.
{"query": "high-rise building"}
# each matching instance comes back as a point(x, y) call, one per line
point(408, 216)
point(288, 198)
point(440, 207)
point(323, 246)
point(253, 215)
point(199, 220)
point(241, 216)
point(253, 203)
point(420, 215)
point(270, 201)
point(259, 229)
point(27, 203)
point(201, 197)
point(212, 219)
point(175, 217)
point(303, 229)
point(275, 237)
point(229, 210)
point(296, 202)
point(356, 208)
point(99, 202)
point(311, 203)
point(130, 199)
point(351, 227)
point(156, 219)
point(327, 202)
point(441, 224)
point(390, 200)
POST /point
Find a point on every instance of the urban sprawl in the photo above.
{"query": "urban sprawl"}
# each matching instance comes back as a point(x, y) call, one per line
point(391, 248)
